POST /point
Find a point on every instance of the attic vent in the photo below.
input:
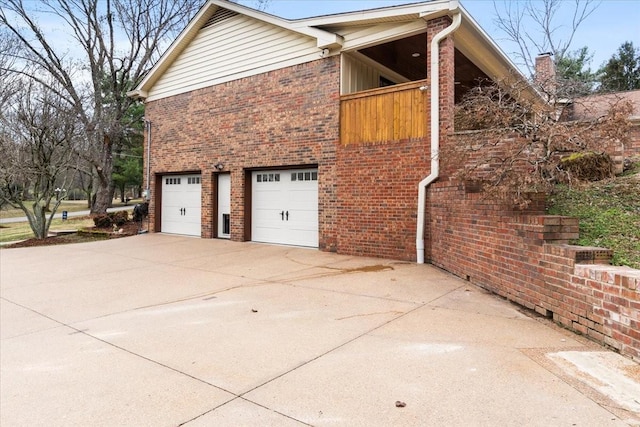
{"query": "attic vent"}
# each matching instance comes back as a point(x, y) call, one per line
point(219, 16)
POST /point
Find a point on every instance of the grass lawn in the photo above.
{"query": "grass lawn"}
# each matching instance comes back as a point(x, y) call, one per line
point(21, 231)
point(609, 214)
point(67, 205)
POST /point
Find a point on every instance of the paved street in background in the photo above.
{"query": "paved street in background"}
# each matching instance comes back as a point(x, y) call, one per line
point(58, 214)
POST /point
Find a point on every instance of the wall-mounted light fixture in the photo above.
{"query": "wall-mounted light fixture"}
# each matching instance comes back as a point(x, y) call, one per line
point(219, 166)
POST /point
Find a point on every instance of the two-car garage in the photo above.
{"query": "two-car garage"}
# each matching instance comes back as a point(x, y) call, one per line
point(284, 206)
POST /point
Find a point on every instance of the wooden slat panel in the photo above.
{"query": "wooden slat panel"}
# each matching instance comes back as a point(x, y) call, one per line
point(397, 115)
point(393, 113)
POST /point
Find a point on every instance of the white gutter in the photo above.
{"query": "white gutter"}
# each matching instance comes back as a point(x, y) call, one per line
point(435, 131)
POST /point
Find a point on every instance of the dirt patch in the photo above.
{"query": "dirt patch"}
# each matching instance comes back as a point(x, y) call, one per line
point(91, 234)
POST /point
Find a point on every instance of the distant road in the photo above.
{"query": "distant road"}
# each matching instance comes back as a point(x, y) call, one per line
point(69, 215)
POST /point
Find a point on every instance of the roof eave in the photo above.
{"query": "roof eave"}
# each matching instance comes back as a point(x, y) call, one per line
point(471, 40)
point(138, 94)
point(483, 51)
point(175, 48)
point(363, 17)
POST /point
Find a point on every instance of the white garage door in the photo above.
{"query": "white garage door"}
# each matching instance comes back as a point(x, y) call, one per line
point(285, 207)
point(181, 204)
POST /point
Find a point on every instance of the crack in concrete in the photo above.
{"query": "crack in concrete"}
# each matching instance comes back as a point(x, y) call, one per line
point(369, 314)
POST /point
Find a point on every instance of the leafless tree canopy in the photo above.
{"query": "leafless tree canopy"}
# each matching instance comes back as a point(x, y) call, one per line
point(256, 4)
point(36, 135)
point(536, 26)
point(114, 44)
point(522, 142)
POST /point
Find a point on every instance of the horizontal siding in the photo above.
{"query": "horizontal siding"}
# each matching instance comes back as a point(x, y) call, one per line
point(234, 48)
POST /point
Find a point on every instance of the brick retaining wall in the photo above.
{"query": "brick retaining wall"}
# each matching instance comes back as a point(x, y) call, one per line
point(525, 257)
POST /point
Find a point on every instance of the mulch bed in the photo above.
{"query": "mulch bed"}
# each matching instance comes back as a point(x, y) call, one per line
point(91, 234)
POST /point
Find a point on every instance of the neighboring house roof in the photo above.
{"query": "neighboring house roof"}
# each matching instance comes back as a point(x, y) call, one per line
point(227, 41)
point(592, 106)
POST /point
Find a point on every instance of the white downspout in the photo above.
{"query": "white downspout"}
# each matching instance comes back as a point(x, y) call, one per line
point(147, 194)
point(435, 131)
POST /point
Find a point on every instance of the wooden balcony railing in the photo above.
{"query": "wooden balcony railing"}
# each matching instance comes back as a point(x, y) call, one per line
point(385, 114)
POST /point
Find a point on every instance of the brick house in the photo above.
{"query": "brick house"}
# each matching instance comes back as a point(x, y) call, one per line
point(592, 106)
point(326, 132)
point(315, 132)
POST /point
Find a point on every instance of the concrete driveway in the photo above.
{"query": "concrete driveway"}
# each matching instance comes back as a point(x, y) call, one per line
point(160, 330)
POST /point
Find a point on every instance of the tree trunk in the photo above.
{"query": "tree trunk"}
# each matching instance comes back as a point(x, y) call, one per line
point(104, 183)
point(103, 198)
point(37, 220)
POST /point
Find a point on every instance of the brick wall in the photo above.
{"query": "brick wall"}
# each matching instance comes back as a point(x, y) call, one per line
point(378, 182)
point(290, 117)
point(623, 152)
point(377, 192)
point(632, 148)
point(612, 297)
point(593, 106)
point(287, 117)
point(525, 257)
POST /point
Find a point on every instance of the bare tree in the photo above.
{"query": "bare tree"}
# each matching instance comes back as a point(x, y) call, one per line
point(256, 4)
point(117, 41)
point(524, 145)
point(536, 26)
point(35, 154)
point(8, 82)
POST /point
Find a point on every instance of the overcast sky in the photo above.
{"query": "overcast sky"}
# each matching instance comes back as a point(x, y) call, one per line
point(613, 22)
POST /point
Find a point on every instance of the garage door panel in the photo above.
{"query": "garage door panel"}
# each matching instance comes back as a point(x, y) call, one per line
point(181, 204)
point(285, 207)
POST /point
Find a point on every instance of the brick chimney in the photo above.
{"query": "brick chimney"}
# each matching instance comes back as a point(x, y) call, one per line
point(545, 74)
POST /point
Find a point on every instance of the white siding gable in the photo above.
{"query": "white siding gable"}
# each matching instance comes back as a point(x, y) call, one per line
point(233, 46)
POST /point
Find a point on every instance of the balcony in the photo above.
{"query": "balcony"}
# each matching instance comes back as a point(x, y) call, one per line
point(385, 114)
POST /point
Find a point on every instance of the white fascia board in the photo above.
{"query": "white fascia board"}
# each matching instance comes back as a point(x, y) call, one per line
point(476, 45)
point(364, 16)
point(482, 39)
